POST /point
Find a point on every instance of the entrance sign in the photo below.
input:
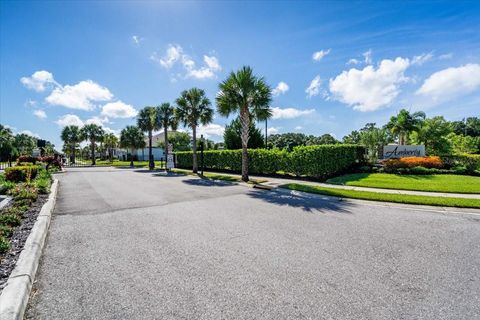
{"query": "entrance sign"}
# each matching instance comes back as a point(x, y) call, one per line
point(397, 151)
point(36, 152)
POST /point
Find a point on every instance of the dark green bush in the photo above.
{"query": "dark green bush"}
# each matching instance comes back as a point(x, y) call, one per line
point(314, 161)
point(10, 220)
point(4, 245)
point(470, 162)
point(21, 173)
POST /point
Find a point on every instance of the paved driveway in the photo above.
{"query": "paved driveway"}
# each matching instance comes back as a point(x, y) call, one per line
point(127, 244)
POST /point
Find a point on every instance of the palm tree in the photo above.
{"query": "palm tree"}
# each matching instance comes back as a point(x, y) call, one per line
point(132, 138)
point(111, 142)
point(405, 123)
point(147, 120)
point(71, 136)
point(92, 133)
point(193, 109)
point(24, 143)
point(250, 96)
point(166, 118)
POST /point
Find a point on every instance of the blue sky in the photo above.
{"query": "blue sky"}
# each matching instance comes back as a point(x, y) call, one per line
point(334, 65)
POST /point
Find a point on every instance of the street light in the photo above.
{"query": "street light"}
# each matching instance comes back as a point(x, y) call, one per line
point(202, 141)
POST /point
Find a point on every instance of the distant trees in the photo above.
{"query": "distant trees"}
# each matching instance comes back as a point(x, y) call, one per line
point(181, 141)
point(132, 138)
point(291, 139)
point(92, 133)
point(433, 133)
point(232, 136)
point(71, 137)
point(7, 144)
point(373, 138)
point(249, 96)
point(352, 138)
point(405, 123)
point(166, 117)
point(147, 121)
point(110, 142)
point(193, 109)
point(24, 143)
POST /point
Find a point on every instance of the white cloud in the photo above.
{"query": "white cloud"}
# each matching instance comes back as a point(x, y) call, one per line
point(172, 55)
point(371, 88)
point(175, 53)
point(449, 83)
point(30, 133)
point(314, 87)
point(273, 130)
point(40, 114)
point(38, 81)
point(137, 39)
point(211, 129)
point(368, 56)
point(289, 113)
point(79, 96)
point(421, 59)
point(353, 61)
point(118, 109)
point(445, 56)
point(97, 120)
point(212, 63)
point(298, 128)
point(281, 88)
point(317, 56)
point(69, 120)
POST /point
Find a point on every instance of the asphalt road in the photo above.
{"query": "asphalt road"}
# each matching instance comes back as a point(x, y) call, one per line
point(129, 244)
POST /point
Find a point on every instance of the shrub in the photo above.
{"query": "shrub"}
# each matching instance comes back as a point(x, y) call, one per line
point(470, 162)
point(319, 161)
point(4, 245)
point(10, 220)
point(43, 181)
point(410, 162)
point(21, 173)
point(24, 191)
point(5, 231)
point(27, 159)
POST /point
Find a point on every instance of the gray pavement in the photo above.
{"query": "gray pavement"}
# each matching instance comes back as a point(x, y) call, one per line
point(129, 244)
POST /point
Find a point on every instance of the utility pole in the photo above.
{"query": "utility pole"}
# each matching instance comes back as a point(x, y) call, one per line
point(266, 133)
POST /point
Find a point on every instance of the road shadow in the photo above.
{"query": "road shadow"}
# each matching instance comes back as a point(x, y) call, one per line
point(208, 183)
point(305, 201)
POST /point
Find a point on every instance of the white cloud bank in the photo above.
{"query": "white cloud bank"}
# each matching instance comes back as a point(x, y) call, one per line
point(371, 88)
point(281, 88)
point(38, 81)
point(79, 96)
point(69, 120)
point(175, 53)
point(319, 55)
point(449, 83)
point(118, 109)
point(40, 114)
point(289, 113)
point(209, 130)
point(314, 88)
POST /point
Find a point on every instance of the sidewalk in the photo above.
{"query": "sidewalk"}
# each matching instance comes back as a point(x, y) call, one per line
point(275, 182)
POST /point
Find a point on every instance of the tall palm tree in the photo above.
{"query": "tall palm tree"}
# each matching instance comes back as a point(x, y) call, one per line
point(147, 121)
point(250, 96)
point(71, 137)
point(405, 123)
point(92, 133)
point(166, 118)
point(111, 142)
point(132, 138)
point(193, 109)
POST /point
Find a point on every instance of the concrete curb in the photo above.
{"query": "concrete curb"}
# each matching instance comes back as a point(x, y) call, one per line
point(15, 295)
point(5, 202)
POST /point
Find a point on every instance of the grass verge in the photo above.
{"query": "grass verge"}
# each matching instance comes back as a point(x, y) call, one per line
point(218, 176)
point(386, 197)
point(433, 183)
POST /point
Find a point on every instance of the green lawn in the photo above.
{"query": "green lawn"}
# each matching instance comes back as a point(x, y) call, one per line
point(218, 176)
point(386, 197)
point(435, 183)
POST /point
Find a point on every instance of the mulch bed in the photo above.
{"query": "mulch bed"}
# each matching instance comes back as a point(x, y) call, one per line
point(18, 239)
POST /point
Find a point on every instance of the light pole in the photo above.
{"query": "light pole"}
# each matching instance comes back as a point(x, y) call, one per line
point(201, 150)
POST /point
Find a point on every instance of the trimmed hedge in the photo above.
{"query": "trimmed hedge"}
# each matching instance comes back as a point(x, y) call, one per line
point(470, 161)
point(320, 161)
point(21, 173)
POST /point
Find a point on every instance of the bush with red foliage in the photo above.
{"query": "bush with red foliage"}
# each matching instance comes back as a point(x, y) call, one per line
point(411, 162)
